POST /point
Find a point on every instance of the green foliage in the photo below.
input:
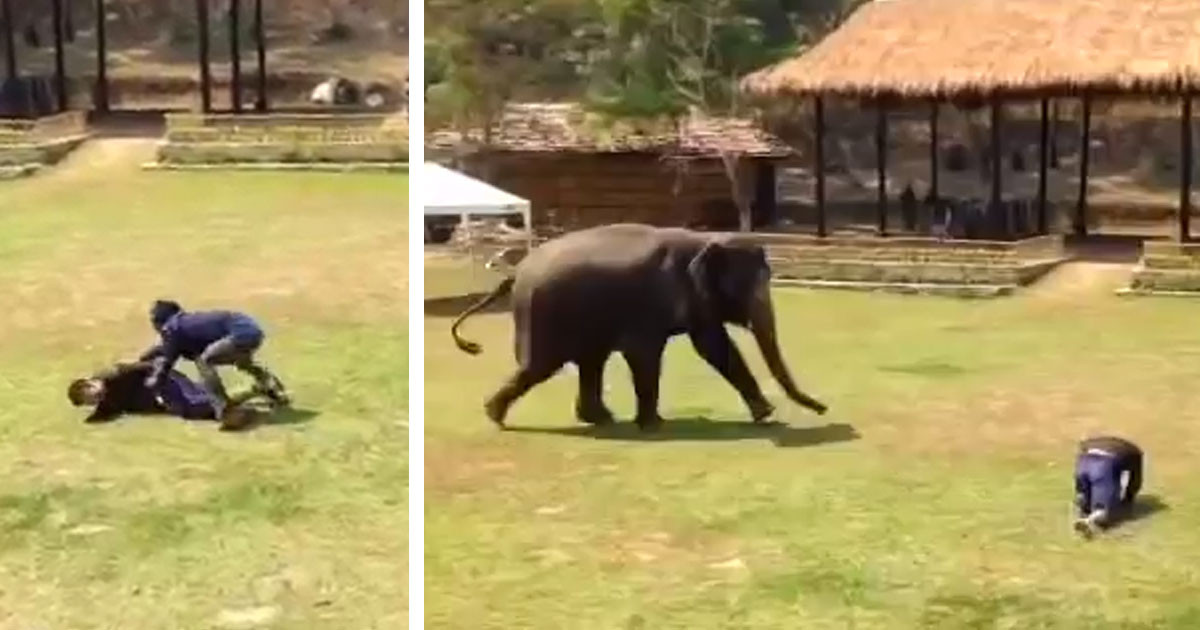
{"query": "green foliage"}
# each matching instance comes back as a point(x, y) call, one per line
point(625, 58)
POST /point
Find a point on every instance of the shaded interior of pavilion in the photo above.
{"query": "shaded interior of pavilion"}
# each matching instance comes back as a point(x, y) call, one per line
point(889, 61)
point(26, 94)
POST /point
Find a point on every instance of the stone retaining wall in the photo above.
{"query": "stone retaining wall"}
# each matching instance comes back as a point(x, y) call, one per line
point(284, 139)
point(29, 144)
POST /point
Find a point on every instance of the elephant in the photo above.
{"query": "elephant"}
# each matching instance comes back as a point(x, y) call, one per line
point(630, 287)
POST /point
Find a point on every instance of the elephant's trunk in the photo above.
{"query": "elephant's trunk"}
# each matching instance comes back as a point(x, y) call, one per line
point(762, 324)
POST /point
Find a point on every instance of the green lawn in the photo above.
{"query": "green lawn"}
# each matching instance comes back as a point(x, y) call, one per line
point(949, 510)
point(154, 523)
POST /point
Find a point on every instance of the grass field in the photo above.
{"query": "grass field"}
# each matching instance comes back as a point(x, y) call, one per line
point(154, 523)
point(934, 495)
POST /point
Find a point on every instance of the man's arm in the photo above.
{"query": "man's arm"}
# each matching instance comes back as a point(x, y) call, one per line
point(163, 363)
point(154, 352)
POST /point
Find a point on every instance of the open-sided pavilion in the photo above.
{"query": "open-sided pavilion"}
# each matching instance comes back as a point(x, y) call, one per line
point(995, 51)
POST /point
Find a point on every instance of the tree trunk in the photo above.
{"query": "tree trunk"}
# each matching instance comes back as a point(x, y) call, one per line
point(732, 162)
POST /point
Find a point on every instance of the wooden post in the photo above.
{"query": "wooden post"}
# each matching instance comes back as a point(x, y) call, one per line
point(235, 55)
point(1085, 141)
point(997, 154)
point(10, 44)
point(881, 167)
point(260, 40)
point(205, 75)
point(1054, 111)
point(1185, 177)
point(819, 163)
point(1043, 162)
point(101, 97)
point(60, 70)
point(934, 192)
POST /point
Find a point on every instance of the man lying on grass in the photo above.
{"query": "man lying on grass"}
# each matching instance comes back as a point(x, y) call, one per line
point(123, 389)
point(1108, 475)
point(210, 338)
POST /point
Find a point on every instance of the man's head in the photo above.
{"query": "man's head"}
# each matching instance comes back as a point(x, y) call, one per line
point(85, 391)
point(163, 310)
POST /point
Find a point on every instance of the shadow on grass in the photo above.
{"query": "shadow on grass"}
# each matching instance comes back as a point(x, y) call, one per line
point(454, 305)
point(1143, 506)
point(701, 429)
point(260, 416)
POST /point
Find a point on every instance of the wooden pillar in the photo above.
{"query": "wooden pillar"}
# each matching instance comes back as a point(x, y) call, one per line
point(934, 191)
point(101, 97)
point(881, 167)
point(260, 40)
point(205, 75)
point(60, 70)
point(235, 55)
point(819, 163)
point(10, 43)
point(1085, 141)
point(1054, 118)
point(1043, 163)
point(1185, 176)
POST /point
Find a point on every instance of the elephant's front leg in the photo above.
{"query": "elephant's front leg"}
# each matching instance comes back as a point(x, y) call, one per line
point(645, 363)
point(718, 349)
point(589, 406)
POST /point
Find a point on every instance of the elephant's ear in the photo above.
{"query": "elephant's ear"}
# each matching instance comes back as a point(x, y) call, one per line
point(702, 268)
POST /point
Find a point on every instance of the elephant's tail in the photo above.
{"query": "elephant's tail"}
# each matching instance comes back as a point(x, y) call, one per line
point(470, 347)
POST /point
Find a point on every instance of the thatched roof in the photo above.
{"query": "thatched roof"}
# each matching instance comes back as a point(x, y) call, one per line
point(569, 128)
point(953, 48)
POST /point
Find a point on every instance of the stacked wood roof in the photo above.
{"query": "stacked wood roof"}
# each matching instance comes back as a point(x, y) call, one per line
point(959, 48)
point(569, 128)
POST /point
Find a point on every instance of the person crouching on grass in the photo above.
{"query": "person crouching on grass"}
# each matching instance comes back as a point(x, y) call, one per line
point(1100, 495)
point(210, 338)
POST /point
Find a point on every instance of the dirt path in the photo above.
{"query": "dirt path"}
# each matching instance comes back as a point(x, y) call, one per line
point(103, 157)
point(1081, 279)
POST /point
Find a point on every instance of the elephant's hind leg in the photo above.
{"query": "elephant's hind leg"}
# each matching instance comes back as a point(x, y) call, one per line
point(645, 363)
point(589, 406)
point(520, 382)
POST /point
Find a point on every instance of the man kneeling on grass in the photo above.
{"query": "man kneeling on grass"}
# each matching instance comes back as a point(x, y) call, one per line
point(122, 389)
point(210, 338)
point(1101, 494)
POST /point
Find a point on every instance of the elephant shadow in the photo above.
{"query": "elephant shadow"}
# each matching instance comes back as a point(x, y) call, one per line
point(702, 429)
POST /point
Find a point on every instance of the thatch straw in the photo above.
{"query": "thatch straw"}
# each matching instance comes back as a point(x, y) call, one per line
point(960, 48)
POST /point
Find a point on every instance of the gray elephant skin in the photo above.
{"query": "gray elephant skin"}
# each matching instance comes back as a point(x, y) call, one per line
point(629, 288)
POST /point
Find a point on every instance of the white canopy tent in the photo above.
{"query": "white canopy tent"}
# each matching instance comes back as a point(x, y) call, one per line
point(451, 193)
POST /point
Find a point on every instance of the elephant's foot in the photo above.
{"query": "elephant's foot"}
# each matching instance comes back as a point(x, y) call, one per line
point(496, 410)
point(648, 422)
point(597, 415)
point(760, 410)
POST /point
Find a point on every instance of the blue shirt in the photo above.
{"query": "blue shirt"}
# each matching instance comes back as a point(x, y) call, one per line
point(188, 334)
